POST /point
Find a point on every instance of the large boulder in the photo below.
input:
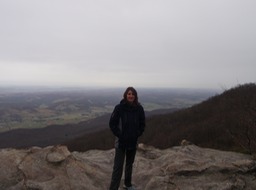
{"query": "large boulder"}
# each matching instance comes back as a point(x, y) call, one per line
point(177, 168)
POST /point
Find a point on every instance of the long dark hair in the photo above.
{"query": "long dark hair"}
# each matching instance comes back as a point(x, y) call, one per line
point(130, 88)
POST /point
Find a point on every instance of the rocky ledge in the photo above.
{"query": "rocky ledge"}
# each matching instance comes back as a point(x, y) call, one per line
point(177, 168)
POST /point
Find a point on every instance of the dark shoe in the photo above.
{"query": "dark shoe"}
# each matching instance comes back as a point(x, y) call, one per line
point(129, 188)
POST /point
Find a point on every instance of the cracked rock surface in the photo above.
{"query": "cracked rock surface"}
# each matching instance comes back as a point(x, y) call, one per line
point(177, 168)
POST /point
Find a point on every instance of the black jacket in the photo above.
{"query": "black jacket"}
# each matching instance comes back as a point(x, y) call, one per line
point(127, 123)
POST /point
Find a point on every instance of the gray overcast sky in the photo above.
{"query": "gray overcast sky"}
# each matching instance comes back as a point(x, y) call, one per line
point(145, 43)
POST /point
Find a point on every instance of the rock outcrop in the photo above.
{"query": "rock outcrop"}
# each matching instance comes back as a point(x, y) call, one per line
point(177, 168)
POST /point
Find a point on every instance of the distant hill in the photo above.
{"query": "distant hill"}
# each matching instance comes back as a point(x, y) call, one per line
point(226, 122)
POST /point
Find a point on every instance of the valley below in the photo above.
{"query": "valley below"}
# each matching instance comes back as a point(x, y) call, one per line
point(41, 107)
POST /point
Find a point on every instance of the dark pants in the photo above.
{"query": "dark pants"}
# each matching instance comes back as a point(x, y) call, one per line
point(120, 155)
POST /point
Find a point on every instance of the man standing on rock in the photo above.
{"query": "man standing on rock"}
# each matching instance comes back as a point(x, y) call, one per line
point(127, 123)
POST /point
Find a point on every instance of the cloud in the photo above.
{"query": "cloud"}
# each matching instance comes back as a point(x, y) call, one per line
point(149, 43)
